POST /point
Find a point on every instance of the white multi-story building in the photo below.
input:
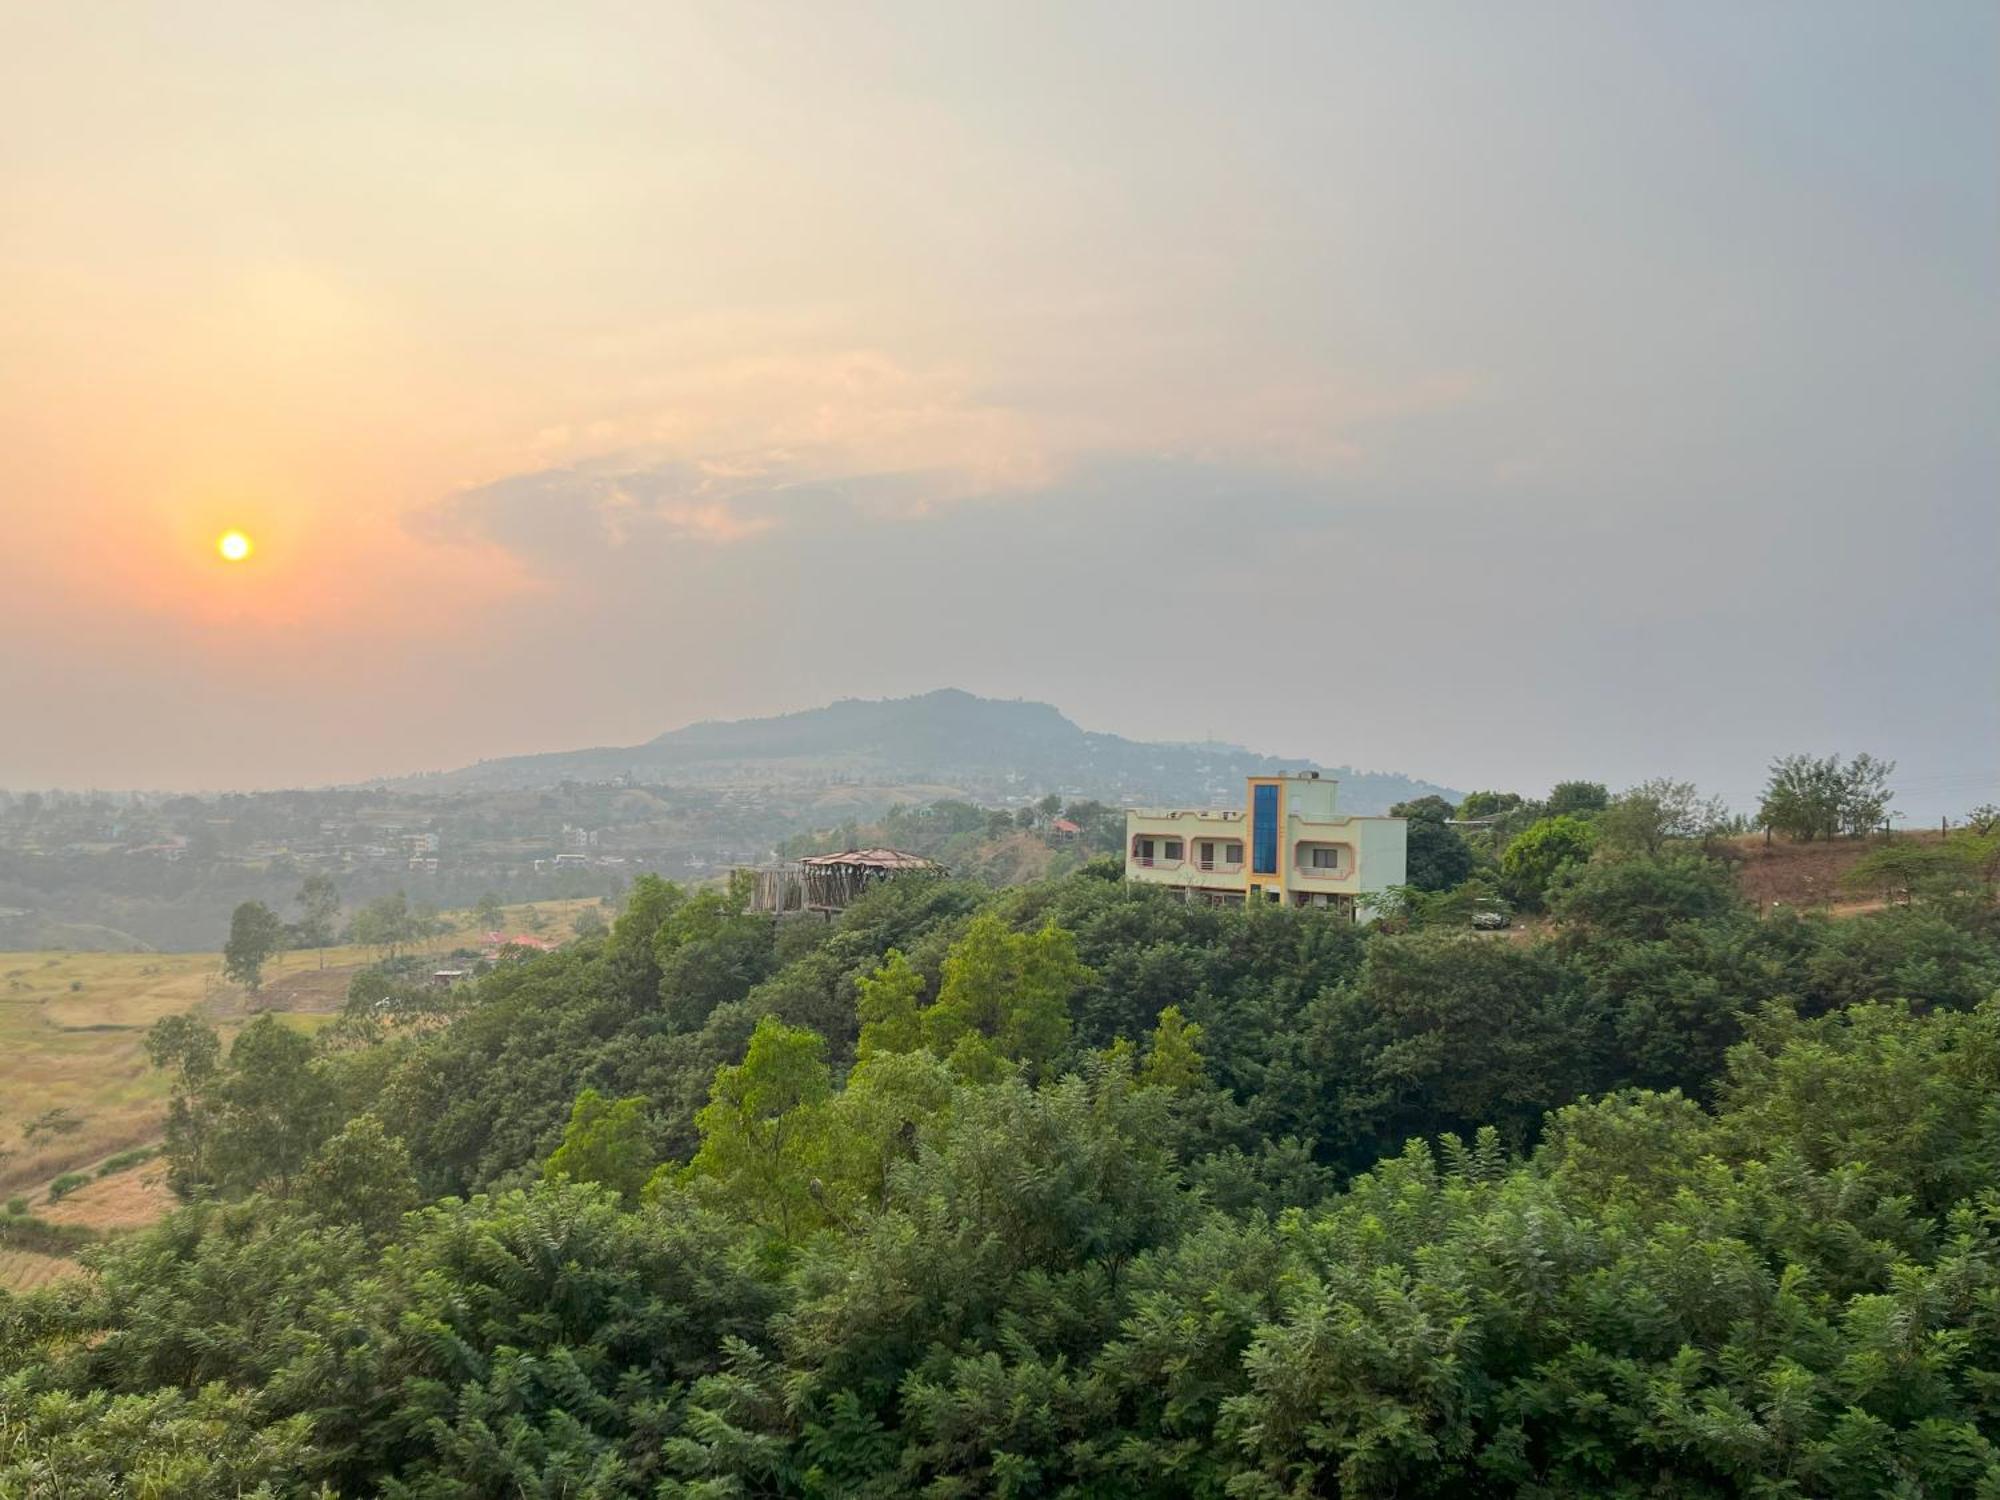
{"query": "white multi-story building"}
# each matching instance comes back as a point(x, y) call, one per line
point(1285, 844)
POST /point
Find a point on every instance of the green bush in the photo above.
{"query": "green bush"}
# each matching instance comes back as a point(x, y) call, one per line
point(66, 1184)
point(26, 1232)
point(124, 1161)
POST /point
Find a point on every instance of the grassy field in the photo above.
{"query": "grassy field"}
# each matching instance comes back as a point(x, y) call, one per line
point(72, 1039)
point(25, 1271)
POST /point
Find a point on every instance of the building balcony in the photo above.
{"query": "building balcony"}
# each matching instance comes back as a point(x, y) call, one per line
point(1156, 862)
point(1311, 872)
point(1220, 866)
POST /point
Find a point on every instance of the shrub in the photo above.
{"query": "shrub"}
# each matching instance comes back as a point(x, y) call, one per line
point(26, 1232)
point(66, 1184)
point(124, 1161)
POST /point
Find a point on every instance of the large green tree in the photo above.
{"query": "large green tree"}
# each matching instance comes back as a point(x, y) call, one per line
point(1812, 797)
point(1438, 859)
point(606, 1142)
point(1567, 797)
point(1004, 995)
point(1543, 851)
point(188, 1049)
point(764, 1127)
point(273, 1106)
point(256, 935)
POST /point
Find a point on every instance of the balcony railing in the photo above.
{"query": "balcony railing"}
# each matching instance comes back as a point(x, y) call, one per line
point(1326, 872)
point(1220, 866)
point(1156, 862)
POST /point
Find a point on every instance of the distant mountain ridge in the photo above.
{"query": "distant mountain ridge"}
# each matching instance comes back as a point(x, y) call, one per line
point(986, 747)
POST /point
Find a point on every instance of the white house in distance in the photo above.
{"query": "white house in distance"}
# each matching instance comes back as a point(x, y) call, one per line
point(1285, 844)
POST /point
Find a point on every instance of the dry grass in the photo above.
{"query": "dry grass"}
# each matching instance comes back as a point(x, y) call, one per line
point(25, 1271)
point(72, 1033)
point(124, 1200)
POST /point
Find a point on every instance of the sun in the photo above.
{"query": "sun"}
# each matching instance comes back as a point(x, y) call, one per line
point(233, 545)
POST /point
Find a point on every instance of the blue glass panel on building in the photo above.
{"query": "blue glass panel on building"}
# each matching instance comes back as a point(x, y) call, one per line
point(1264, 830)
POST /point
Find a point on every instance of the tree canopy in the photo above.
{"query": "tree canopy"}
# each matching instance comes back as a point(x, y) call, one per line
point(1073, 1188)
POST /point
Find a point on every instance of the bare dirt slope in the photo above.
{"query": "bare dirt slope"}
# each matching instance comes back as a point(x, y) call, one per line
point(1807, 875)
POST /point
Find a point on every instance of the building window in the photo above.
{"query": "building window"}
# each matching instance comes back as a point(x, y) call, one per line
point(1142, 849)
point(1264, 829)
point(1173, 849)
point(1326, 859)
point(1232, 854)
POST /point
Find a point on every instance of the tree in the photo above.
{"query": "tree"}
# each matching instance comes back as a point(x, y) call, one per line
point(1908, 868)
point(1645, 818)
point(1443, 1032)
point(1810, 798)
point(273, 1108)
point(710, 953)
point(255, 935)
point(1642, 898)
point(361, 1176)
point(1172, 1059)
point(635, 933)
point(606, 1142)
point(1004, 994)
point(1567, 797)
point(764, 1121)
point(1865, 794)
point(1802, 797)
point(490, 913)
point(319, 908)
point(189, 1049)
point(888, 1007)
point(384, 923)
point(1438, 858)
point(1432, 806)
point(1488, 804)
point(1542, 852)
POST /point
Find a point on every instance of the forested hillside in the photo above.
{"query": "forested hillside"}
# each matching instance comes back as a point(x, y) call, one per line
point(1071, 1189)
point(989, 748)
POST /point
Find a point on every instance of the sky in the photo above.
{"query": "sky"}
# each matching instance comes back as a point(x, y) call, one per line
point(1492, 393)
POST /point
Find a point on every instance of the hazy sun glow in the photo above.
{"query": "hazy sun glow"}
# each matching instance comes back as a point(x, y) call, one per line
point(233, 545)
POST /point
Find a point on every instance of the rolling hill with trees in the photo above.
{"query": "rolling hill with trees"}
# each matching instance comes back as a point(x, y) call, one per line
point(985, 747)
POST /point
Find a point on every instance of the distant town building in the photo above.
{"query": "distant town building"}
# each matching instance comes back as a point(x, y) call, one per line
point(1063, 831)
point(1286, 844)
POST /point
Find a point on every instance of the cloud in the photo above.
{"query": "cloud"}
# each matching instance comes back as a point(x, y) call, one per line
point(725, 450)
point(555, 517)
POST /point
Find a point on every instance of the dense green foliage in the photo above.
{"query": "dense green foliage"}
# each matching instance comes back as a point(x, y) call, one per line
point(1073, 1189)
point(255, 935)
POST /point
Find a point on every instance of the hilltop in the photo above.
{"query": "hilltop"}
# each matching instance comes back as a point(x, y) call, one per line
point(982, 747)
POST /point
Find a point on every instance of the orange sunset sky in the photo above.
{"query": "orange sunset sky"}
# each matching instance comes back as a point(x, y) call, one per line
point(556, 359)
